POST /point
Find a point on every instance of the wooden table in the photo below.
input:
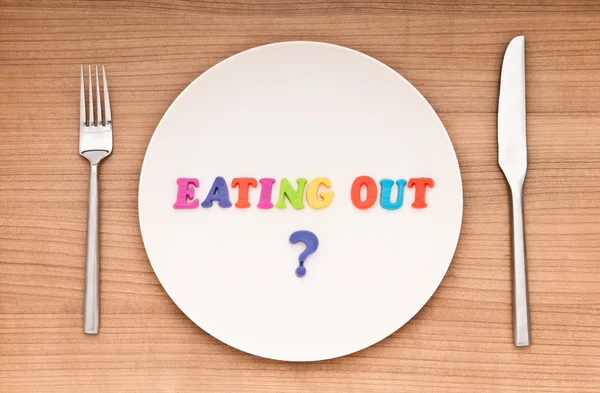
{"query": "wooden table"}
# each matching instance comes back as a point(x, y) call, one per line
point(450, 50)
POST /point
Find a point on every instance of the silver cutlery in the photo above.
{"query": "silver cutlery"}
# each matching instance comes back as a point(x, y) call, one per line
point(512, 157)
point(95, 144)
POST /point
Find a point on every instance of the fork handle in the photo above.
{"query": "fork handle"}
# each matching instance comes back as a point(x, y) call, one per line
point(91, 307)
point(519, 269)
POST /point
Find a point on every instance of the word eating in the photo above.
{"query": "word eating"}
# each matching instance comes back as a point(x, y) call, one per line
point(363, 193)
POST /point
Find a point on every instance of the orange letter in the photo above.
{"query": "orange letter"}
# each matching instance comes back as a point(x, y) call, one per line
point(359, 182)
point(420, 184)
point(245, 183)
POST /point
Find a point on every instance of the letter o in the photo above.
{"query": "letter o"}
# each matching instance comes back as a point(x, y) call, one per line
point(357, 185)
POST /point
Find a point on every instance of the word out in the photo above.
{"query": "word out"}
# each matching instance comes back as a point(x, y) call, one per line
point(309, 191)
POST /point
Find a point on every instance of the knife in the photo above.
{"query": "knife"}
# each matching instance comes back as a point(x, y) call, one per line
point(512, 157)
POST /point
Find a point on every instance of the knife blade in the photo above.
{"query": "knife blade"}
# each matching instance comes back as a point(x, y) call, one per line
point(512, 157)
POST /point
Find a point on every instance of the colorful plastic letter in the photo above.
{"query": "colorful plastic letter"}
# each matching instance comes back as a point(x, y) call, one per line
point(185, 192)
point(386, 194)
point(357, 185)
point(420, 184)
point(244, 184)
point(266, 190)
point(295, 197)
point(316, 200)
point(218, 192)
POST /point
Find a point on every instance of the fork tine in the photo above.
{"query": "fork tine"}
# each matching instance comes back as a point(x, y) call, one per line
point(106, 100)
point(82, 118)
point(91, 102)
point(98, 107)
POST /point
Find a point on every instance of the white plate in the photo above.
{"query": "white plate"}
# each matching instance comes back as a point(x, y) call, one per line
point(300, 110)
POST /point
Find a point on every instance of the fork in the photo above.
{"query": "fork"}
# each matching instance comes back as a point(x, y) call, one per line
point(95, 144)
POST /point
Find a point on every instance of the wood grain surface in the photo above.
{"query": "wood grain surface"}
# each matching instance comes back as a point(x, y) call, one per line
point(450, 50)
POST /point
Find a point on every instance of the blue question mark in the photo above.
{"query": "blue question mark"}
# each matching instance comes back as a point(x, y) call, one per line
point(312, 243)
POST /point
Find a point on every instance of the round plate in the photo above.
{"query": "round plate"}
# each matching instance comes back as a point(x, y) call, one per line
point(300, 110)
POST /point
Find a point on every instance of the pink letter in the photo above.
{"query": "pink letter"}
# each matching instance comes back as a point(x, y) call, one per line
point(184, 191)
point(265, 193)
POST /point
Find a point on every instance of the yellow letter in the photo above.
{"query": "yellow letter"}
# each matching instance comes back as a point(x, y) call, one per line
point(316, 200)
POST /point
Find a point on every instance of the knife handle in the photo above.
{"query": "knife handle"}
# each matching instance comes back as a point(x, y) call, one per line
point(522, 334)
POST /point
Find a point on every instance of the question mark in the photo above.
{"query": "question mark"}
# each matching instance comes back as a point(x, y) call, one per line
point(312, 243)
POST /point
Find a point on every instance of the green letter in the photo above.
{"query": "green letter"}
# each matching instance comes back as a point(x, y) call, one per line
point(295, 197)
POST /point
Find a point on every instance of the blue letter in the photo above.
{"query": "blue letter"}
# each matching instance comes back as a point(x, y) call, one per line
point(218, 192)
point(386, 191)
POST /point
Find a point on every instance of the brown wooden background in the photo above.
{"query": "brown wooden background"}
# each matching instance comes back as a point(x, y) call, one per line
point(450, 50)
